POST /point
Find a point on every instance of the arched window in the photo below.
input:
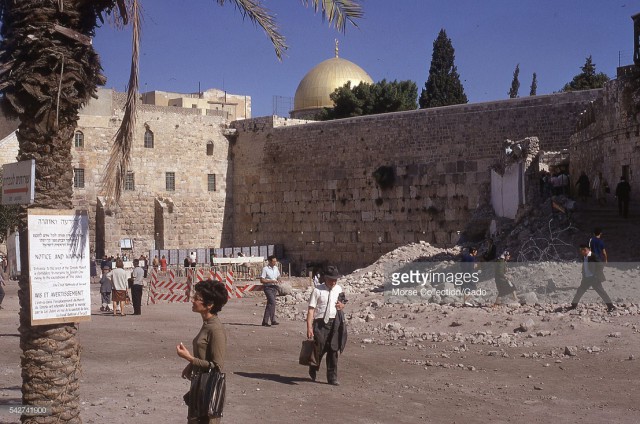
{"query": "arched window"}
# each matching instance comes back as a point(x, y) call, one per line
point(78, 139)
point(148, 139)
point(209, 148)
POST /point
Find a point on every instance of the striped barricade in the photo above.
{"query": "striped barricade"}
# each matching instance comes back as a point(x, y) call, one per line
point(165, 287)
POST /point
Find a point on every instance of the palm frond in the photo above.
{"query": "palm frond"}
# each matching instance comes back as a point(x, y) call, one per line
point(120, 157)
point(261, 16)
point(337, 12)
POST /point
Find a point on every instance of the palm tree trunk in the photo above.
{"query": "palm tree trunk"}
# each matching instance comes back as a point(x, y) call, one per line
point(51, 353)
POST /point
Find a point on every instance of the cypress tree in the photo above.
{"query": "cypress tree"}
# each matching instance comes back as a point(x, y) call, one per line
point(534, 85)
point(443, 86)
point(515, 83)
point(587, 79)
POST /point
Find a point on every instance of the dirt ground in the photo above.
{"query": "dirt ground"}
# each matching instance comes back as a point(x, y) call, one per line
point(385, 377)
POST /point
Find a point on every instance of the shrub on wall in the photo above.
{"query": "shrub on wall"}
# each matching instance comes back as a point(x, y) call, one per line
point(385, 176)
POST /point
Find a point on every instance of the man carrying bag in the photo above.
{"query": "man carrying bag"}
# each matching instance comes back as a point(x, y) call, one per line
point(326, 324)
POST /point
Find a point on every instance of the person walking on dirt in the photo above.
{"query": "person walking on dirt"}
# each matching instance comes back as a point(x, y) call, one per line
point(503, 284)
point(592, 277)
point(468, 266)
point(623, 194)
point(270, 278)
point(326, 324)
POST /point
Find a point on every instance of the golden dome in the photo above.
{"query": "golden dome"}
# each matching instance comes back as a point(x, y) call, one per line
point(314, 89)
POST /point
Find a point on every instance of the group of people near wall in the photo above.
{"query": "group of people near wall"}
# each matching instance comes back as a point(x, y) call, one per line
point(115, 285)
point(558, 183)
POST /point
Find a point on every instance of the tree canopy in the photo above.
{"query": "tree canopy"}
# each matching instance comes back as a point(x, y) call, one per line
point(588, 79)
point(443, 86)
point(370, 99)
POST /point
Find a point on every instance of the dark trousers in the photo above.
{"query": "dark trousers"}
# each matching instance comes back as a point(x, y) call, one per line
point(1, 293)
point(136, 298)
point(623, 207)
point(585, 284)
point(322, 335)
point(270, 309)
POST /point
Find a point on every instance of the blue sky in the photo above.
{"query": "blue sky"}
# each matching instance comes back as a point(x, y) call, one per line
point(212, 45)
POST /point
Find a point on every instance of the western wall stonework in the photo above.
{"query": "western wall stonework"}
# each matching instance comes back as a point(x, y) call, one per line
point(310, 187)
point(608, 133)
point(192, 215)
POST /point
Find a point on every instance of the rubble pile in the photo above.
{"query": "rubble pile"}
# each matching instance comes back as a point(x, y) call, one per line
point(372, 277)
point(542, 234)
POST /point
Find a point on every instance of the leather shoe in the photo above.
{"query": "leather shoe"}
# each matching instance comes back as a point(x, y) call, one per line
point(275, 323)
point(312, 374)
point(266, 324)
point(334, 383)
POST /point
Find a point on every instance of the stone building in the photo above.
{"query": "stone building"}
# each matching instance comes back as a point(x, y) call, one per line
point(607, 136)
point(176, 194)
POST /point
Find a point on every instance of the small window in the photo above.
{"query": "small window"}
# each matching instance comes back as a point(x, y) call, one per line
point(170, 180)
point(78, 178)
point(148, 139)
point(78, 139)
point(211, 182)
point(210, 148)
point(129, 181)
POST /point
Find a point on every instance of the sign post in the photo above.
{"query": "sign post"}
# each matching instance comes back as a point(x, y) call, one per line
point(18, 183)
point(59, 276)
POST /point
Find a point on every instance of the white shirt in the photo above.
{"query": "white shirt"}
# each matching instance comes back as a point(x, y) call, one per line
point(138, 276)
point(320, 299)
point(119, 278)
point(269, 273)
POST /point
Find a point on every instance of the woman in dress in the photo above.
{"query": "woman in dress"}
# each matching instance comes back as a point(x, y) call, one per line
point(163, 264)
point(209, 346)
point(119, 279)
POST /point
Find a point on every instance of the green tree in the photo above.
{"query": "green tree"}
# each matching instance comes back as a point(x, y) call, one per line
point(443, 86)
point(49, 71)
point(8, 220)
point(515, 83)
point(588, 79)
point(534, 85)
point(369, 99)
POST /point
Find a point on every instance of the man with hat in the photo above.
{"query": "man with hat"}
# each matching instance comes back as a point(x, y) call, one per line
point(326, 324)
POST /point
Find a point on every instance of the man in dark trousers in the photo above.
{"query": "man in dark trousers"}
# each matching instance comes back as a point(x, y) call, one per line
point(623, 194)
point(592, 276)
point(136, 288)
point(270, 278)
point(326, 324)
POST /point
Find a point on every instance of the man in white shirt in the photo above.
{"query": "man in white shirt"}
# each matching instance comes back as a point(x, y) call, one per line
point(325, 324)
point(270, 277)
point(136, 289)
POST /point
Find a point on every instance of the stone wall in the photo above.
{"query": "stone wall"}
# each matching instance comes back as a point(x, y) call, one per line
point(310, 187)
point(196, 217)
point(608, 133)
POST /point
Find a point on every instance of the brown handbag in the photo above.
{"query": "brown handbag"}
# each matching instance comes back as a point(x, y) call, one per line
point(308, 354)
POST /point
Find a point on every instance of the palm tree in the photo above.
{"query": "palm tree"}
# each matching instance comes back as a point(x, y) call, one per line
point(48, 71)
